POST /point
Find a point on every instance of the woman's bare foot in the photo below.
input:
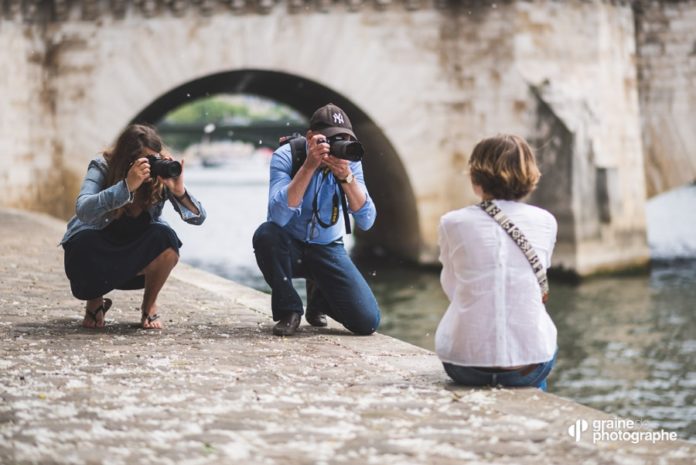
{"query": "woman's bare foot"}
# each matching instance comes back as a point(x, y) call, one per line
point(95, 312)
point(151, 319)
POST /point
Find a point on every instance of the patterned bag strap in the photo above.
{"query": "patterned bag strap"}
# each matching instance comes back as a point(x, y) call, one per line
point(519, 238)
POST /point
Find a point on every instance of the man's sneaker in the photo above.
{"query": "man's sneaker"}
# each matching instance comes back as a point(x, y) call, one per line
point(315, 318)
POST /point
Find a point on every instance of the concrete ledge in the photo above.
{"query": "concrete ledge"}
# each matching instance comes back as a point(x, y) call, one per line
point(216, 387)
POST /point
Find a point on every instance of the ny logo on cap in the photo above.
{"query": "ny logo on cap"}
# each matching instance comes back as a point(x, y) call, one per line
point(338, 118)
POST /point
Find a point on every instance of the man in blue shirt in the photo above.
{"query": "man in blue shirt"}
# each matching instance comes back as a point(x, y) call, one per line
point(303, 236)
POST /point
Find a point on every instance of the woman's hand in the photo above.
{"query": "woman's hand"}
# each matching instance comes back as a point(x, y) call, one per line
point(175, 185)
point(177, 188)
point(138, 174)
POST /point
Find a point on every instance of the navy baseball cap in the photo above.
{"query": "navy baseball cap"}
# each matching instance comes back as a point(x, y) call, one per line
point(330, 120)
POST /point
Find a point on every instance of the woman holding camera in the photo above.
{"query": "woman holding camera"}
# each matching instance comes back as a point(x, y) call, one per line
point(117, 240)
point(496, 330)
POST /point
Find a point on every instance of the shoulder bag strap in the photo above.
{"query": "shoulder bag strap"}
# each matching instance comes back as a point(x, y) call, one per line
point(519, 238)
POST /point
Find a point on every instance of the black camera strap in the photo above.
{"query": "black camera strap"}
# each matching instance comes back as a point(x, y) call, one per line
point(334, 210)
point(334, 207)
point(344, 205)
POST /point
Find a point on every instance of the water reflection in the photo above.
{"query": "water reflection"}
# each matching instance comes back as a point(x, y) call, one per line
point(627, 344)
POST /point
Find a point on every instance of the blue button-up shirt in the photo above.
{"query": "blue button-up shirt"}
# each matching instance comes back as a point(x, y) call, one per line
point(299, 221)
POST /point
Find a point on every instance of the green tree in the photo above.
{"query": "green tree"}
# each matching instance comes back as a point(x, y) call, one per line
point(223, 110)
point(243, 108)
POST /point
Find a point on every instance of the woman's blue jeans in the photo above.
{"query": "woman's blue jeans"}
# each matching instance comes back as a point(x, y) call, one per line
point(477, 376)
point(341, 290)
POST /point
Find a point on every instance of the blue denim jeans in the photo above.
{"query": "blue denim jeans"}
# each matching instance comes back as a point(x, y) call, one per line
point(477, 376)
point(341, 291)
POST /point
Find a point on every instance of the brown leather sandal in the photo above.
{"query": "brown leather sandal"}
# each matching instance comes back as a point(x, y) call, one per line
point(104, 307)
point(149, 319)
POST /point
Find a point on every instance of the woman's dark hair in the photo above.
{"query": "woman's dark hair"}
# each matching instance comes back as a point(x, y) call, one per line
point(504, 166)
point(130, 146)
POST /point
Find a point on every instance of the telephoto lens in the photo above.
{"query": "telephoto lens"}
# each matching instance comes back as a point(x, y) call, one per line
point(163, 168)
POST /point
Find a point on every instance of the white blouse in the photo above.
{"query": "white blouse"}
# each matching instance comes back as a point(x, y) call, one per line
point(495, 317)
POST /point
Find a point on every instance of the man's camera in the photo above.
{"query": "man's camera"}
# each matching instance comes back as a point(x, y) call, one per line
point(163, 168)
point(343, 147)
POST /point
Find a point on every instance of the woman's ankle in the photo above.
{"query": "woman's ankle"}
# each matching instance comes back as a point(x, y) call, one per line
point(150, 318)
point(93, 304)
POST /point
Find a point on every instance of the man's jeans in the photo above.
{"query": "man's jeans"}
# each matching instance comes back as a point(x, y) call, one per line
point(341, 291)
point(473, 376)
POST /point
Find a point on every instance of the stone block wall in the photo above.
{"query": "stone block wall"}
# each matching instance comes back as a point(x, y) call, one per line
point(666, 41)
point(433, 77)
point(579, 62)
point(31, 164)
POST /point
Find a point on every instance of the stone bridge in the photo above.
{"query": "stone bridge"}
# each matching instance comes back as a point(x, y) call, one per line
point(604, 90)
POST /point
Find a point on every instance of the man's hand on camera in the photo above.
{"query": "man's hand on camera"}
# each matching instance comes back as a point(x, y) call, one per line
point(339, 167)
point(318, 152)
point(138, 173)
point(341, 171)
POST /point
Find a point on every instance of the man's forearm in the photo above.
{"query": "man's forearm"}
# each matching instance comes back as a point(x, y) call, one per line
point(298, 186)
point(355, 194)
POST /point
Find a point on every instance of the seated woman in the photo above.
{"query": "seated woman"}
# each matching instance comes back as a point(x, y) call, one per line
point(117, 240)
point(496, 330)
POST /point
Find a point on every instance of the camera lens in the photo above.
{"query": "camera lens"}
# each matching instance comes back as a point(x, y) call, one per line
point(347, 150)
point(164, 168)
point(172, 169)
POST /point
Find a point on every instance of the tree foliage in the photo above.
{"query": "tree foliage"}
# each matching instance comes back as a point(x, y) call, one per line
point(239, 109)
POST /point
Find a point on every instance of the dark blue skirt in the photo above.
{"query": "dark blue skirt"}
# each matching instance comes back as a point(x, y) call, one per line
point(99, 261)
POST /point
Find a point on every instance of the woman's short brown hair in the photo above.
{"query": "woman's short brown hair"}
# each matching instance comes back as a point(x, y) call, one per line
point(504, 167)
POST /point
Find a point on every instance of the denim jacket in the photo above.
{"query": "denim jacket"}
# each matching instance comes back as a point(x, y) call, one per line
point(95, 206)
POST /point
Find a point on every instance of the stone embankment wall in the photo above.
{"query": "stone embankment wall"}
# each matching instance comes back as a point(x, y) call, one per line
point(666, 40)
point(32, 173)
point(430, 77)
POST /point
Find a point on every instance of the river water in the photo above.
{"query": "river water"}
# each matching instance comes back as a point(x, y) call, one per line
point(627, 343)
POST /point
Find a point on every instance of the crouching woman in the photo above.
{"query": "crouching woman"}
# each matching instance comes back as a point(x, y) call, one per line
point(118, 240)
point(496, 330)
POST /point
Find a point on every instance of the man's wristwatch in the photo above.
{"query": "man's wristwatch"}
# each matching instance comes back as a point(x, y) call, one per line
point(348, 180)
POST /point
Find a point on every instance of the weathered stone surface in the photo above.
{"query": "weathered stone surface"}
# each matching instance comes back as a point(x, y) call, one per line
point(581, 70)
point(216, 387)
point(667, 65)
point(428, 79)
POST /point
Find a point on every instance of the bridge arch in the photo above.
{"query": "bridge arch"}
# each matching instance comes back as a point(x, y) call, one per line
point(433, 80)
point(396, 230)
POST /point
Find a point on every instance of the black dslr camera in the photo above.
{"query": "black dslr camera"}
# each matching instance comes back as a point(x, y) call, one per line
point(163, 168)
point(343, 147)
